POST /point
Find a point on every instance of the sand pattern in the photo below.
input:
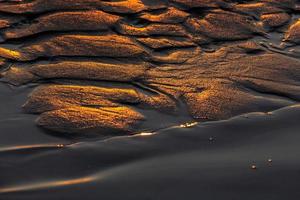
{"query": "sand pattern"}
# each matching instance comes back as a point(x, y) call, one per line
point(216, 59)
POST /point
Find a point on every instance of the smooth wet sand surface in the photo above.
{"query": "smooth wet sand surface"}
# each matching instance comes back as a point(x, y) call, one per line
point(210, 160)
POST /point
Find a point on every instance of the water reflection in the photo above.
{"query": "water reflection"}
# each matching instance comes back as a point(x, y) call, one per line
point(48, 184)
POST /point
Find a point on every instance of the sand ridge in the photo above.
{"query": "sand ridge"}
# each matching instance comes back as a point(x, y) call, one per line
point(212, 56)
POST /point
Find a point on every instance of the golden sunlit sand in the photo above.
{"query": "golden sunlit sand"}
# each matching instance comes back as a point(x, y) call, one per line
point(213, 57)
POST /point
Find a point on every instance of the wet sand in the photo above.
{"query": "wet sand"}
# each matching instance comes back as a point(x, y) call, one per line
point(209, 160)
point(142, 99)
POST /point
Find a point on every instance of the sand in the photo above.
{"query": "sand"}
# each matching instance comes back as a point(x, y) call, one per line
point(149, 99)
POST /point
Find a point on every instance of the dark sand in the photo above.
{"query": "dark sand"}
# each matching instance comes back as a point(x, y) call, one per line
point(210, 160)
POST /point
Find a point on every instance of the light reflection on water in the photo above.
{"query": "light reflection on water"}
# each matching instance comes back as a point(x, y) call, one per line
point(48, 184)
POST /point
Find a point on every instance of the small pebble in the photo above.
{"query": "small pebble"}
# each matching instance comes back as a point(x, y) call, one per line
point(270, 160)
point(253, 167)
point(211, 139)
